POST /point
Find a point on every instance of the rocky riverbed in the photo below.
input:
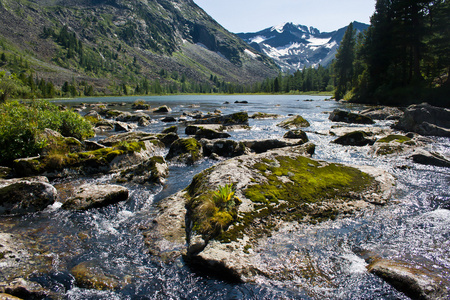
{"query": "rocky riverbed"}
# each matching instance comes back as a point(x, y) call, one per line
point(236, 193)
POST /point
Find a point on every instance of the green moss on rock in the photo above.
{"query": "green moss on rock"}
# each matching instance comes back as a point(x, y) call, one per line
point(294, 122)
point(394, 137)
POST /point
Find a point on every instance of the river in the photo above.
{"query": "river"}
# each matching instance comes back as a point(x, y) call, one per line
point(412, 227)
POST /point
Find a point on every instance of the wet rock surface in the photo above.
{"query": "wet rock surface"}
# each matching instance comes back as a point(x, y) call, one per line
point(348, 117)
point(426, 120)
point(95, 196)
point(26, 195)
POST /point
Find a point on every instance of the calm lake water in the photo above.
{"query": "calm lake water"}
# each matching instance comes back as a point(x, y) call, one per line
point(412, 227)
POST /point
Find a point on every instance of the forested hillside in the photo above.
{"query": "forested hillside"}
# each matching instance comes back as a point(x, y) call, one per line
point(87, 47)
point(403, 58)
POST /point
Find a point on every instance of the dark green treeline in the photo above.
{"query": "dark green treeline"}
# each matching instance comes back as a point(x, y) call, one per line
point(403, 58)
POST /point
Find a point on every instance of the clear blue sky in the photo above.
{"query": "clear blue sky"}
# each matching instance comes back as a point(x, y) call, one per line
point(255, 15)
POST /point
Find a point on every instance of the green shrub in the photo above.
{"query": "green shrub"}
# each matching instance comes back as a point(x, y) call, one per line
point(22, 125)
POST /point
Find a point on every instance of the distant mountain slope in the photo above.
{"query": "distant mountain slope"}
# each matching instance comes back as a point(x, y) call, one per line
point(110, 42)
point(296, 46)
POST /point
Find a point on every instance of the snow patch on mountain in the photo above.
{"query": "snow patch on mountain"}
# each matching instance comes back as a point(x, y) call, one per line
point(293, 46)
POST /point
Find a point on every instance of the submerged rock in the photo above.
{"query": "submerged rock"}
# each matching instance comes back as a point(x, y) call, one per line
point(23, 289)
point(26, 195)
point(418, 283)
point(348, 117)
point(90, 275)
point(95, 196)
point(425, 119)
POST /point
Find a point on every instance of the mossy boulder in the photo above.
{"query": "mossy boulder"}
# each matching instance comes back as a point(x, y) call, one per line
point(395, 144)
point(260, 115)
point(185, 150)
point(294, 122)
point(120, 155)
point(173, 129)
point(239, 118)
point(269, 190)
point(339, 115)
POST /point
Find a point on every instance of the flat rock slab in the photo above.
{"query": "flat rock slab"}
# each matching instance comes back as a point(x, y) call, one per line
point(95, 196)
point(418, 283)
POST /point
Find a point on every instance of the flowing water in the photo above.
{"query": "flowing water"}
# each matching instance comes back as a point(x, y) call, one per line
point(316, 261)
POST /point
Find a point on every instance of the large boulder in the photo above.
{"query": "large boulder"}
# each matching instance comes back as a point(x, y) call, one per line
point(339, 115)
point(95, 196)
point(26, 195)
point(163, 109)
point(239, 118)
point(416, 282)
point(23, 289)
point(426, 120)
point(233, 206)
point(382, 113)
point(297, 135)
point(124, 153)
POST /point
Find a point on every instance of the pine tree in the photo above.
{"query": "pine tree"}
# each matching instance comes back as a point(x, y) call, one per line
point(343, 65)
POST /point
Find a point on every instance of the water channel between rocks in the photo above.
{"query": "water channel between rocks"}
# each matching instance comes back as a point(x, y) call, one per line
point(319, 261)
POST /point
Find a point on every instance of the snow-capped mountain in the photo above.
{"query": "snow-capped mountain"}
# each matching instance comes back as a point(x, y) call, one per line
point(295, 46)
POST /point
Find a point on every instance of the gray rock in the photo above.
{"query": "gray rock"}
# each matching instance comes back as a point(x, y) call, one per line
point(95, 196)
point(168, 120)
point(296, 134)
point(421, 156)
point(93, 145)
point(154, 170)
point(224, 148)
point(143, 122)
point(260, 146)
point(416, 282)
point(210, 134)
point(163, 109)
point(168, 138)
point(383, 113)
point(23, 289)
point(348, 117)
point(239, 118)
point(191, 129)
point(356, 138)
point(425, 119)
point(127, 137)
point(173, 129)
point(26, 195)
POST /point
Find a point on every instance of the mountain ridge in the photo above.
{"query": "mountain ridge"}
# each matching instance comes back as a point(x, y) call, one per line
point(295, 46)
point(114, 42)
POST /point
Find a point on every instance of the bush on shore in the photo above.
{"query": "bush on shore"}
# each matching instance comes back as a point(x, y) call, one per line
point(22, 126)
